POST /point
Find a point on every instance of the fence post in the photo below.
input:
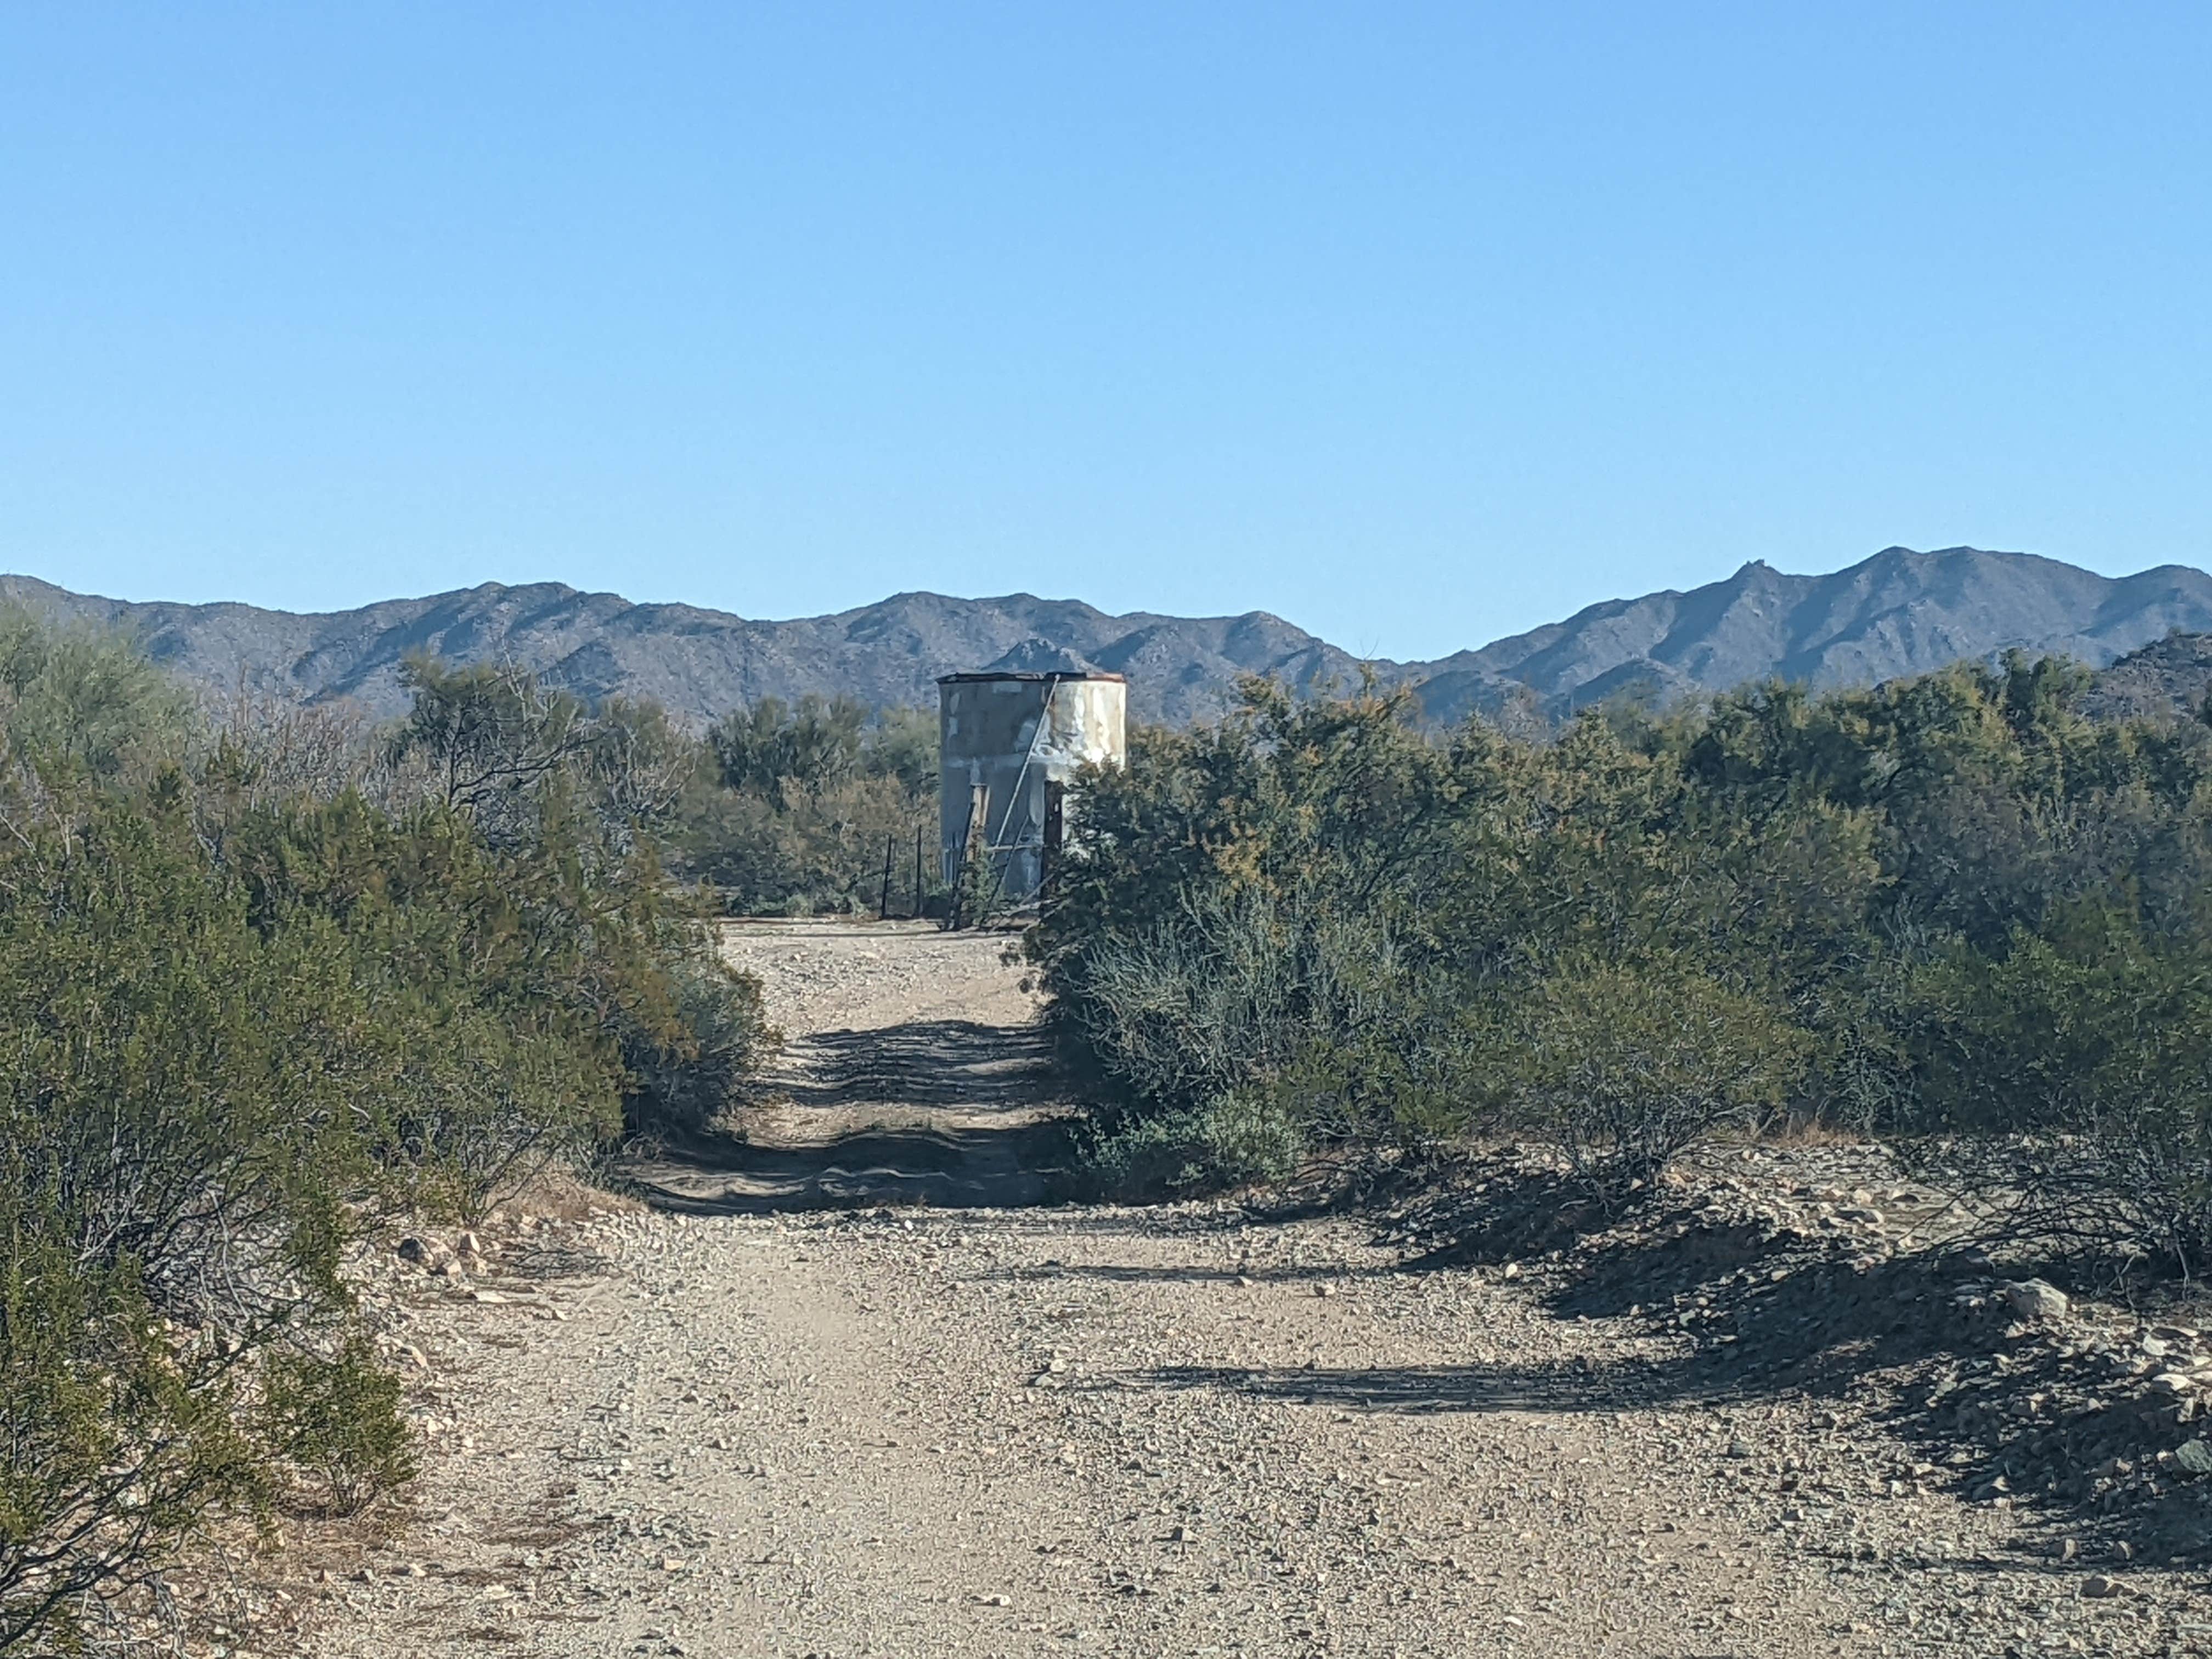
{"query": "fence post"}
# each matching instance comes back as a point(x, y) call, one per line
point(1055, 831)
point(975, 853)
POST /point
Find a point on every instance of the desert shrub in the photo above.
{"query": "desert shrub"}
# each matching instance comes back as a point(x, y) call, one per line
point(1624, 1069)
point(260, 988)
point(1236, 993)
point(574, 986)
point(815, 742)
point(175, 1149)
point(484, 970)
point(180, 1092)
point(2070, 1077)
point(1239, 1140)
point(1243, 924)
point(696, 1065)
point(485, 738)
point(112, 1442)
point(805, 851)
point(1179, 1020)
point(334, 1421)
point(77, 701)
point(800, 804)
point(1191, 1007)
point(1871, 908)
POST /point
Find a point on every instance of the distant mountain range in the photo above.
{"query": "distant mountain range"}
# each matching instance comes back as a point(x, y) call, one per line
point(1898, 613)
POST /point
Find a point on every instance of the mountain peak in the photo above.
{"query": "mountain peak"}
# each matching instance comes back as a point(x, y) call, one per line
point(1035, 655)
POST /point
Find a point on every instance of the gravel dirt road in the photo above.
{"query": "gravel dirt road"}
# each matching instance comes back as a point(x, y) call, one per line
point(747, 1422)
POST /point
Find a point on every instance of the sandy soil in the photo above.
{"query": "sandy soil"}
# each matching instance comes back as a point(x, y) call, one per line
point(740, 1424)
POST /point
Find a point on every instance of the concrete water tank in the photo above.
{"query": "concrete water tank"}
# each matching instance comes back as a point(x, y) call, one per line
point(1012, 744)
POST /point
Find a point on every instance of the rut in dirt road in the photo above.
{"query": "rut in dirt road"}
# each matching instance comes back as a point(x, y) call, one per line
point(936, 1090)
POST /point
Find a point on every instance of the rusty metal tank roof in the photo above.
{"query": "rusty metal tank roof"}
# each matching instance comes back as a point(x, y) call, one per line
point(990, 674)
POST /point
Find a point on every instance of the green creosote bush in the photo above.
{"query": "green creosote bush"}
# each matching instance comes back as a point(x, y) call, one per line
point(1176, 1015)
point(1238, 1140)
point(1950, 910)
point(794, 806)
point(686, 1075)
point(2070, 1078)
point(807, 851)
point(1624, 1069)
point(77, 702)
point(264, 984)
point(116, 1443)
point(334, 1420)
point(176, 1153)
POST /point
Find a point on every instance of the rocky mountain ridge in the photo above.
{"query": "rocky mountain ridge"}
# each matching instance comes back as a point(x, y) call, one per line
point(1898, 613)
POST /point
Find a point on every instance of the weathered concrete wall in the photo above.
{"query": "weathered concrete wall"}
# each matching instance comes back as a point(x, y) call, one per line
point(1015, 737)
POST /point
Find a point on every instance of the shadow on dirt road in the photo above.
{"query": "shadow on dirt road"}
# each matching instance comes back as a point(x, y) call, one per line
point(954, 1113)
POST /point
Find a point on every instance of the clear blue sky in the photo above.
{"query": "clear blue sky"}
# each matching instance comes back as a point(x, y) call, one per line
point(1417, 325)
